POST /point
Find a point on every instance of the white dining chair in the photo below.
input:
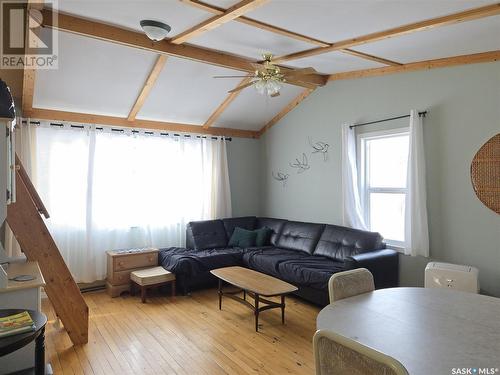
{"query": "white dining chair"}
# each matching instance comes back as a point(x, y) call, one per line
point(335, 354)
point(350, 283)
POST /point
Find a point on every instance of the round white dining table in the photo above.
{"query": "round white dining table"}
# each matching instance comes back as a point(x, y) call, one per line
point(430, 331)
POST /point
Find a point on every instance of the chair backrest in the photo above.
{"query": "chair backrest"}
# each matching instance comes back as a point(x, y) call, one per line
point(350, 283)
point(335, 354)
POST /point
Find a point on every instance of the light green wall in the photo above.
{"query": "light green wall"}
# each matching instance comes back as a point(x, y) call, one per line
point(463, 105)
point(244, 164)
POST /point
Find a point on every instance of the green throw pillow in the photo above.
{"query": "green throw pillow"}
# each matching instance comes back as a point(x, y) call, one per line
point(263, 236)
point(242, 238)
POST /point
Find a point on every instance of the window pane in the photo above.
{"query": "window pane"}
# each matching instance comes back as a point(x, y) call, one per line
point(387, 161)
point(387, 215)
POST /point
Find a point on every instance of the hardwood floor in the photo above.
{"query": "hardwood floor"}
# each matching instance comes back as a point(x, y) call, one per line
point(188, 336)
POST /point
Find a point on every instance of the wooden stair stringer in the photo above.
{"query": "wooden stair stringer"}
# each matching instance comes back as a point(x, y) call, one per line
point(33, 236)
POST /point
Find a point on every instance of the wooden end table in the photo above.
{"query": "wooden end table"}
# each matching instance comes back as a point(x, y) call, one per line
point(12, 343)
point(256, 285)
point(122, 262)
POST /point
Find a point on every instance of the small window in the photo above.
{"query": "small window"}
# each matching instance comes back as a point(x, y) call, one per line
point(383, 158)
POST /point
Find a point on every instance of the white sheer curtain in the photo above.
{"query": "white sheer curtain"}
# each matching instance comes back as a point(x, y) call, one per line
point(416, 226)
point(351, 203)
point(106, 190)
point(25, 145)
point(220, 204)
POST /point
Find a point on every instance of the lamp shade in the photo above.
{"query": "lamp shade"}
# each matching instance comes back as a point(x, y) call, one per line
point(155, 30)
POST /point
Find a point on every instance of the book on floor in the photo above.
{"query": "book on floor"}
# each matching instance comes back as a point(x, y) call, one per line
point(15, 324)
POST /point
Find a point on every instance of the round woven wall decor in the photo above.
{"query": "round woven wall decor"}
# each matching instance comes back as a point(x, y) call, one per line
point(485, 173)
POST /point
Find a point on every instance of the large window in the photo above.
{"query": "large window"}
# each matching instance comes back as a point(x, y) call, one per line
point(108, 190)
point(383, 158)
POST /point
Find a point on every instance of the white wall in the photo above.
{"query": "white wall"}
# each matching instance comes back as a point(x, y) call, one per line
point(463, 105)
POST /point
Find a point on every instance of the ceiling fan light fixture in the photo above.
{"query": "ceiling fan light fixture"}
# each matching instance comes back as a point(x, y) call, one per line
point(155, 30)
point(269, 87)
point(268, 78)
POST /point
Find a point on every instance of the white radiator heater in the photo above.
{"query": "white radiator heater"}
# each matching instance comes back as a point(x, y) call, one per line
point(452, 276)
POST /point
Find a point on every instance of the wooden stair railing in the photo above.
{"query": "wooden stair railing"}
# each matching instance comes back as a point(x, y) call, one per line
point(25, 221)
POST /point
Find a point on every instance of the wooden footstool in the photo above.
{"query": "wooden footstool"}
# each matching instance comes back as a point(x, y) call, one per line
point(150, 278)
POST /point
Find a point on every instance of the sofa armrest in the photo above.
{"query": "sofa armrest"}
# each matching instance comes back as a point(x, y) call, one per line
point(383, 264)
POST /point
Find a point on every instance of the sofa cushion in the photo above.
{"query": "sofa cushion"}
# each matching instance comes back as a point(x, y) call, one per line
point(245, 222)
point(263, 236)
point(208, 234)
point(276, 225)
point(267, 260)
point(312, 271)
point(300, 236)
point(243, 238)
point(338, 242)
point(194, 262)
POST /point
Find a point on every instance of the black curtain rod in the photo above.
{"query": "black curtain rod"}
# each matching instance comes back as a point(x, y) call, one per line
point(386, 119)
point(60, 125)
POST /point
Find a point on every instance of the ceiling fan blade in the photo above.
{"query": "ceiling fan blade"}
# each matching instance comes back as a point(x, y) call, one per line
point(298, 81)
point(242, 87)
point(229, 76)
point(301, 72)
point(257, 66)
point(308, 70)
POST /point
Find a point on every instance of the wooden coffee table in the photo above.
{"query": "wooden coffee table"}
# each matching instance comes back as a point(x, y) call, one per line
point(256, 285)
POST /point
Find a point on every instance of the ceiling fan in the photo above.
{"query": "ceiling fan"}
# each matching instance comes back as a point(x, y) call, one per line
point(268, 77)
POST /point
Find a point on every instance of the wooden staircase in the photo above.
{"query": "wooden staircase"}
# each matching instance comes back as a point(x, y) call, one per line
point(25, 220)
